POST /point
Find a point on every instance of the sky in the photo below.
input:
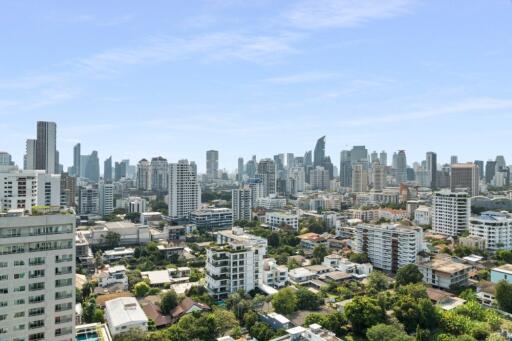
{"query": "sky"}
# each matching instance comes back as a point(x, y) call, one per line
point(136, 79)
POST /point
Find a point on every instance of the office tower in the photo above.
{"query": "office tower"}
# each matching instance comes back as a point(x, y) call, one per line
point(30, 154)
point(374, 157)
point(279, 162)
point(297, 180)
point(345, 169)
point(5, 159)
point(76, 160)
point(105, 198)
point(290, 160)
point(120, 170)
point(241, 204)
point(46, 146)
point(107, 170)
point(92, 167)
point(299, 161)
point(159, 174)
point(234, 246)
point(67, 190)
point(58, 166)
point(184, 190)
point(383, 158)
point(450, 212)
point(490, 171)
point(359, 178)
point(500, 162)
point(88, 200)
point(38, 261)
point(250, 168)
point(358, 154)
point(401, 167)
point(378, 176)
point(267, 173)
point(481, 168)
point(319, 153)
point(257, 189)
point(465, 176)
point(143, 175)
point(328, 166)
point(308, 158)
point(389, 246)
point(431, 168)
point(319, 178)
point(240, 171)
point(454, 159)
point(212, 164)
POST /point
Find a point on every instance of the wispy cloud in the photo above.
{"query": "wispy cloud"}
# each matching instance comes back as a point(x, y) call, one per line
point(314, 14)
point(306, 77)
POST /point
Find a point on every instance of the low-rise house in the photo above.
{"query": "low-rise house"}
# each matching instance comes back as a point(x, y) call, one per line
point(123, 314)
point(444, 299)
point(300, 275)
point(336, 276)
point(486, 293)
point(473, 242)
point(319, 269)
point(129, 232)
point(276, 321)
point(186, 306)
point(118, 253)
point(170, 251)
point(311, 240)
point(502, 273)
point(110, 275)
point(314, 332)
point(154, 313)
point(341, 263)
point(444, 272)
point(274, 275)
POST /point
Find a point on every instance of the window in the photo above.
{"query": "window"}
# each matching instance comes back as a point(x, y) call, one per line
point(63, 282)
point(36, 273)
point(36, 286)
point(19, 327)
point(36, 337)
point(36, 324)
point(63, 319)
point(19, 314)
point(63, 306)
point(20, 275)
point(63, 270)
point(3, 264)
point(3, 304)
point(21, 288)
point(3, 317)
point(36, 311)
point(4, 291)
point(4, 277)
point(19, 301)
point(63, 258)
point(36, 261)
point(19, 263)
point(36, 299)
point(62, 294)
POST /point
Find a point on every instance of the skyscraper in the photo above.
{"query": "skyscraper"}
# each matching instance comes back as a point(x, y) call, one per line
point(241, 204)
point(383, 158)
point(378, 176)
point(431, 167)
point(358, 154)
point(465, 176)
point(267, 173)
point(401, 167)
point(143, 175)
point(184, 190)
point(240, 171)
point(92, 167)
point(374, 157)
point(490, 171)
point(76, 160)
point(319, 154)
point(212, 164)
point(308, 158)
point(159, 174)
point(46, 146)
point(481, 167)
point(30, 154)
point(359, 178)
point(290, 160)
point(107, 170)
point(345, 169)
point(106, 198)
point(454, 159)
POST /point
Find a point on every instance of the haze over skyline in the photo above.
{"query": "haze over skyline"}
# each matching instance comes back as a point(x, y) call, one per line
point(133, 81)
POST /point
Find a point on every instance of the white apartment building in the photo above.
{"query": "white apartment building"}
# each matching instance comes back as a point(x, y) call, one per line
point(495, 228)
point(450, 212)
point(422, 215)
point(277, 219)
point(235, 263)
point(123, 314)
point(211, 219)
point(184, 190)
point(106, 198)
point(26, 188)
point(296, 180)
point(133, 204)
point(389, 246)
point(443, 272)
point(273, 274)
point(319, 178)
point(271, 203)
point(241, 204)
point(343, 264)
point(88, 201)
point(37, 277)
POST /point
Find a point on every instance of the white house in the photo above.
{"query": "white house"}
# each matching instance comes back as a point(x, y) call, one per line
point(123, 314)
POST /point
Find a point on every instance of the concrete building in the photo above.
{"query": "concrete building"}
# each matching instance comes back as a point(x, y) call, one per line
point(273, 274)
point(110, 275)
point(271, 203)
point(465, 176)
point(29, 159)
point(378, 176)
point(184, 190)
point(241, 204)
point(444, 272)
point(389, 246)
point(276, 220)
point(431, 168)
point(267, 173)
point(106, 198)
point(159, 169)
point(235, 263)
point(123, 314)
point(422, 215)
point(88, 201)
point(359, 178)
point(144, 175)
point(493, 227)
point(37, 268)
point(212, 219)
point(319, 178)
point(46, 147)
point(450, 212)
point(502, 273)
point(212, 164)
point(107, 170)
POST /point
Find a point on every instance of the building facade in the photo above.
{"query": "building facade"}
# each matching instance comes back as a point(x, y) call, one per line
point(450, 212)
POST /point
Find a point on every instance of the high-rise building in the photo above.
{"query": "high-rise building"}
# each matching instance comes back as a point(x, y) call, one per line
point(401, 167)
point(76, 160)
point(431, 167)
point(212, 164)
point(465, 176)
point(481, 168)
point(5, 159)
point(30, 154)
point(454, 159)
point(107, 170)
point(383, 158)
point(290, 160)
point(296, 180)
point(88, 200)
point(374, 157)
point(345, 169)
point(490, 171)
point(67, 190)
point(250, 168)
point(241, 204)
point(106, 198)
point(159, 174)
point(378, 176)
point(120, 170)
point(450, 212)
point(495, 228)
point(143, 175)
point(359, 154)
point(240, 170)
point(389, 246)
point(308, 158)
point(319, 178)
point(92, 167)
point(38, 265)
point(319, 154)
point(184, 190)
point(257, 189)
point(46, 146)
point(267, 173)
point(359, 178)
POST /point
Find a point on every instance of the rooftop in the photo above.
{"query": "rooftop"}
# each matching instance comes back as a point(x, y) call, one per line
point(446, 265)
point(506, 268)
point(124, 310)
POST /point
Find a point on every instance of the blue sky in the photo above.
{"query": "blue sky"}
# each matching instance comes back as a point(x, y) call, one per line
point(137, 79)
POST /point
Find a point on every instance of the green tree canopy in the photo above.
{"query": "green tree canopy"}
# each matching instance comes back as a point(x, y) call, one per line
point(408, 274)
point(386, 332)
point(363, 312)
point(169, 300)
point(285, 301)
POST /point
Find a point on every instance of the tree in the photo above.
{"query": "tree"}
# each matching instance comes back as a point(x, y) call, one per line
point(407, 311)
point(307, 300)
point(504, 296)
point(285, 301)
point(261, 331)
point(377, 281)
point(169, 300)
point(381, 332)
point(134, 334)
point(91, 313)
point(359, 258)
point(141, 289)
point(133, 217)
point(112, 239)
point(335, 322)
point(319, 252)
point(408, 274)
point(363, 312)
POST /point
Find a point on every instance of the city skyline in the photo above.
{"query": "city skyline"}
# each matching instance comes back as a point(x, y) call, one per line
point(272, 77)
